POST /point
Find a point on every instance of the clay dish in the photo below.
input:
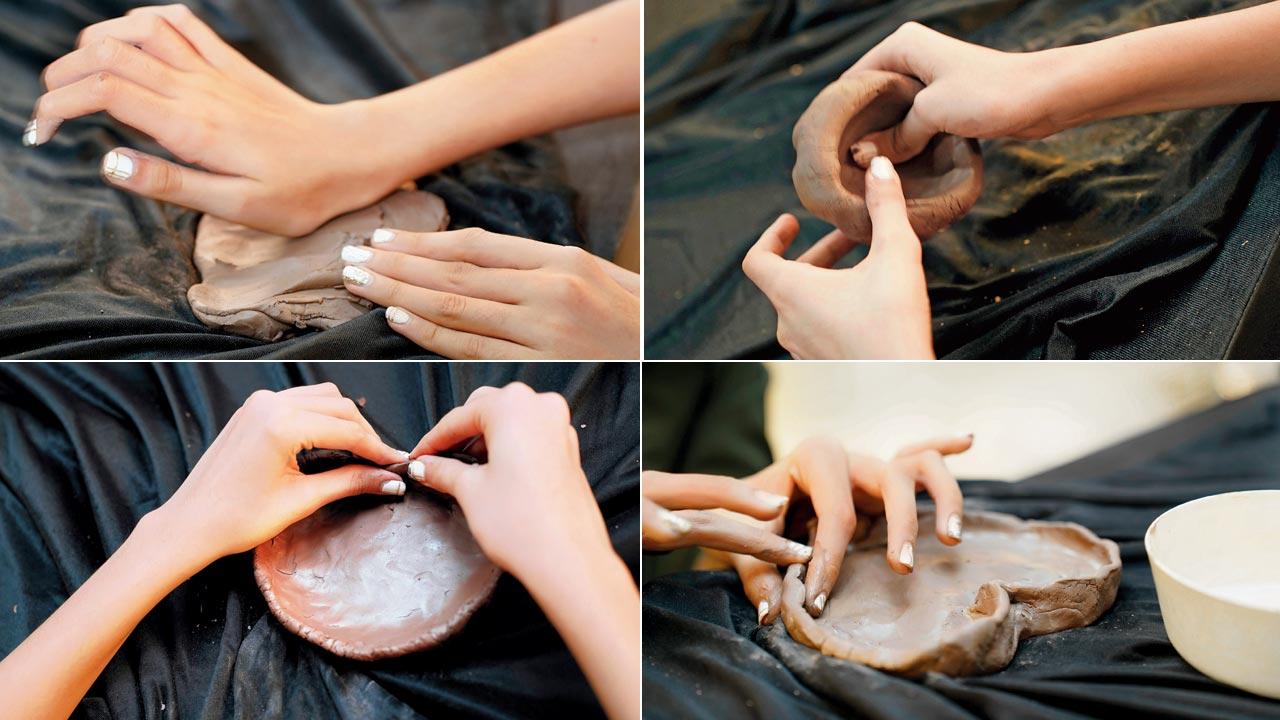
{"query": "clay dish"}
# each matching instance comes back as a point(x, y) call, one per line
point(370, 578)
point(940, 184)
point(964, 608)
point(1218, 582)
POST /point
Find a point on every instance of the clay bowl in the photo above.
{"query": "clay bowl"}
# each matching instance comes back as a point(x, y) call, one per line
point(940, 184)
point(370, 578)
point(1218, 582)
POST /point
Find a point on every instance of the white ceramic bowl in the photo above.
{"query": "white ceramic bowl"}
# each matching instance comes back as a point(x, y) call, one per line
point(1216, 563)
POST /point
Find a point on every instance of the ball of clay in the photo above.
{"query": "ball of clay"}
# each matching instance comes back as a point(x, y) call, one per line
point(940, 184)
point(370, 578)
point(269, 287)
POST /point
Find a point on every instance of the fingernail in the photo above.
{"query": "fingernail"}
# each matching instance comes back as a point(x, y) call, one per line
point(954, 526)
point(356, 254)
point(761, 611)
point(117, 166)
point(820, 601)
point(404, 455)
point(862, 150)
point(29, 134)
point(907, 555)
point(396, 316)
point(382, 235)
point(802, 549)
point(356, 276)
point(675, 523)
point(417, 470)
point(881, 168)
point(775, 501)
point(393, 487)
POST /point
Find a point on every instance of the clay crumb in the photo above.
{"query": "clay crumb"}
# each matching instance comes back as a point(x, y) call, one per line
point(361, 401)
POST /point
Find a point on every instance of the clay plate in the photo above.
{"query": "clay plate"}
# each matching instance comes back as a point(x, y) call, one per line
point(963, 609)
point(370, 578)
point(940, 184)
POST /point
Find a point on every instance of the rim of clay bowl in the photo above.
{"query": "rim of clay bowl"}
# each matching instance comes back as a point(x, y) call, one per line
point(1183, 579)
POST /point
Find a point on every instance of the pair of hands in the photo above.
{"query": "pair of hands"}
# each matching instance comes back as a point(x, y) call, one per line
point(746, 518)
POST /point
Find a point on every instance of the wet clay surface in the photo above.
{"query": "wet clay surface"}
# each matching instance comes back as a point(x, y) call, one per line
point(940, 184)
point(269, 287)
point(964, 608)
point(371, 578)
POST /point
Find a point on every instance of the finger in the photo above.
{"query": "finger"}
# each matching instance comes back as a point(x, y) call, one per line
point(450, 343)
point(821, 467)
point(149, 32)
point(661, 529)
point(899, 493)
point(316, 491)
point(626, 279)
point(687, 491)
point(899, 143)
point(459, 312)
point(891, 233)
point(764, 262)
point(717, 531)
point(326, 389)
point(456, 427)
point(338, 407)
point(828, 251)
point(908, 50)
point(126, 101)
point(948, 501)
point(471, 245)
point(323, 431)
point(444, 475)
point(158, 179)
point(461, 278)
point(762, 584)
point(950, 445)
point(118, 58)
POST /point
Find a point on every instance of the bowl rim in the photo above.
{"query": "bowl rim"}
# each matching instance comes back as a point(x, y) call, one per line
point(1183, 579)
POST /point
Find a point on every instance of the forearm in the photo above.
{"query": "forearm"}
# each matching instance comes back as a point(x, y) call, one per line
point(49, 673)
point(597, 613)
point(584, 69)
point(1224, 59)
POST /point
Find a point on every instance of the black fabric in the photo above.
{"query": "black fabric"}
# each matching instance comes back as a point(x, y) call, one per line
point(87, 271)
point(1140, 237)
point(705, 656)
point(89, 449)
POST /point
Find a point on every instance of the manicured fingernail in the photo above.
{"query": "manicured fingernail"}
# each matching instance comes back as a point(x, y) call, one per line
point(954, 526)
point(820, 601)
point(403, 454)
point(863, 150)
point(881, 168)
point(774, 501)
point(382, 235)
point(29, 135)
point(396, 316)
point(802, 549)
point(356, 254)
point(117, 166)
point(761, 611)
point(356, 276)
point(393, 487)
point(675, 523)
point(417, 470)
point(907, 555)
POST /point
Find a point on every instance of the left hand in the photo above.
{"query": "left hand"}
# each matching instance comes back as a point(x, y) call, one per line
point(473, 294)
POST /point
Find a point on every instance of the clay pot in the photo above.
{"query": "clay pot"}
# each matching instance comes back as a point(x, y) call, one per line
point(940, 184)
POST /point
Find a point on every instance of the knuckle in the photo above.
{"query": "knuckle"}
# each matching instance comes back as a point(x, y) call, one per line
point(472, 234)
point(451, 306)
point(166, 180)
point(152, 26)
point(457, 274)
point(473, 347)
point(106, 53)
point(103, 85)
point(518, 389)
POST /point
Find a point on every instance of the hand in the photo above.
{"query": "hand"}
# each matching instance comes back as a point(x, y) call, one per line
point(970, 91)
point(478, 295)
point(247, 487)
point(697, 525)
point(841, 484)
point(877, 309)
point(162, 71)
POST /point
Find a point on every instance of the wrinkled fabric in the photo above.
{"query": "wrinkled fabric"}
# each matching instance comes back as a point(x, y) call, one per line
point(87, 271)
point(706, 657)
point(90, 448)
point(1141, 237)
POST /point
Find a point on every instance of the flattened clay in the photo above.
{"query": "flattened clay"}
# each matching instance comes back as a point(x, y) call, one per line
point(963, 609)
point(940, 184)
point(268, 286)
point(370, 578)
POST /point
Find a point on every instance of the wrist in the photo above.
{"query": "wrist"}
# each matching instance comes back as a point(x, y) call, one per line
point(372, 145)
point(181, 546)
point(1065, 91)
point(544, 577)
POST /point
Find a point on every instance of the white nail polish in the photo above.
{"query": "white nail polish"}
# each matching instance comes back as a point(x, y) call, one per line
point(393, 487)
point(881, 168)
point(775, 501)
point(382, 235)
point(907, 555)
point(820, 602)
point(802, 549)
point(356, 276)
point(117, 166)
point(417, 470)
point(396, 316)
point(30, 134)
point(675, 523)
point(761, 611)
point(356, 254)
point(953, 526)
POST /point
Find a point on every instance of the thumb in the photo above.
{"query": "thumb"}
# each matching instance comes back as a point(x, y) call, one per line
point(891, 232)
point(323, 488)
point(441, 474)
point(899, 143)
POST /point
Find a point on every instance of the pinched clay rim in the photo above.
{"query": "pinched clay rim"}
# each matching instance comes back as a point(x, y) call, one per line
point(484, 586)
point(1010, 611)
point(824, 167)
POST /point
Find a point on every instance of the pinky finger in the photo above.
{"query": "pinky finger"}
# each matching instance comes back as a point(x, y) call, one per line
point(453, 344)
point(149, 176)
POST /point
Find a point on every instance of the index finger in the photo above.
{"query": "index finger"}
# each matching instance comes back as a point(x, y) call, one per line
point(457, 426)
point(822, 469)
point(950, 445)
point(689, 491)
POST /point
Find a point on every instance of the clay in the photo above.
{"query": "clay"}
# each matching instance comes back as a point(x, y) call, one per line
point(964, 608)
point(269, 287)
point(371, 577)
point(940, 184)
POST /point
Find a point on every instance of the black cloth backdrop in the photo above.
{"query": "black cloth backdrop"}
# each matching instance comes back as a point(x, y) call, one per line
point(1141, 237)
point(88, 449)
point(706, 657)
point(87, 271)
